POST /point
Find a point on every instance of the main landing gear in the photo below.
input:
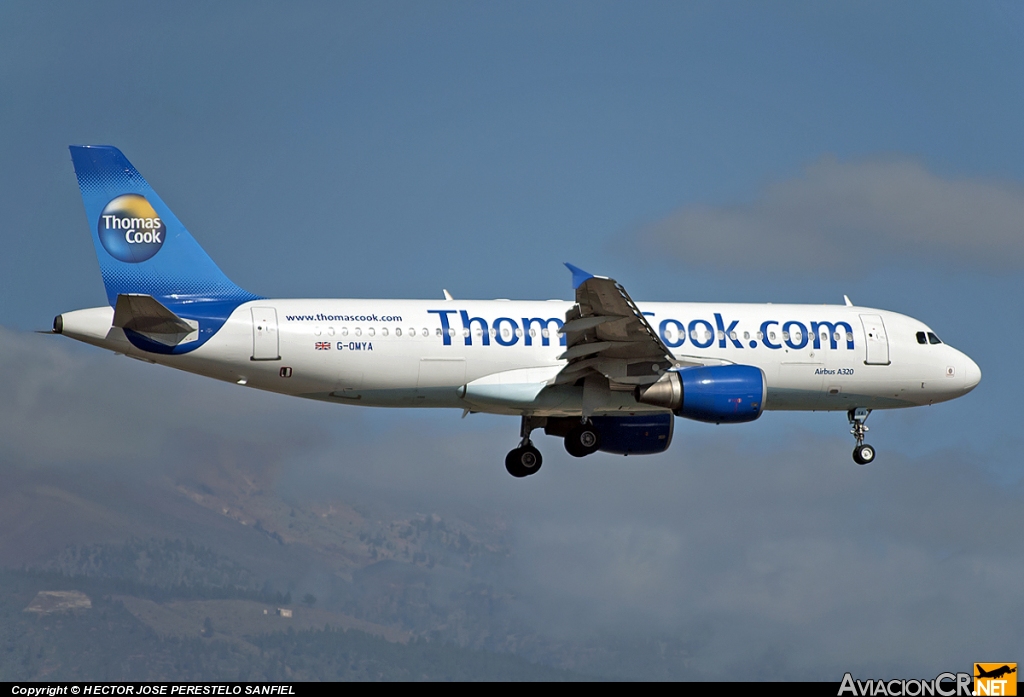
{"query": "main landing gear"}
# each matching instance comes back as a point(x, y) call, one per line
point(863, 454)
point(526, 459)
point(582, 440)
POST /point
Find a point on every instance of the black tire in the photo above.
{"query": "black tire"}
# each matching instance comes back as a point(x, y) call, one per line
point(863, 454)
point(582, 440)
point(522, 462)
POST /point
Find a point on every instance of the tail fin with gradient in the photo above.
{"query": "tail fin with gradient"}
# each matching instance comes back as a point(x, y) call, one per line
point(168, 295)
point(142, 247)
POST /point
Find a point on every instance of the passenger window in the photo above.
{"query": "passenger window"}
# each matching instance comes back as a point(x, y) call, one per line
point(370, 331)
point(398, 331)
point(316, 331)
point(359, 331)
point(746, 335)
point(384, 331)
point(426, 332)
point(344, 331)
point(932, 339)
point(921, 339)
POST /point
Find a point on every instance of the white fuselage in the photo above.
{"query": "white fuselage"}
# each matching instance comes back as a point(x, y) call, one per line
point(495, 356)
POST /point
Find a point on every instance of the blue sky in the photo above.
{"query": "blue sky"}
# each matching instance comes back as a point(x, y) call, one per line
point(390, 149)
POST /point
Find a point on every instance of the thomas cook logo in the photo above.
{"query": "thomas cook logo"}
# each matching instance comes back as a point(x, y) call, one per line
point(995, 678)
point(130, 230)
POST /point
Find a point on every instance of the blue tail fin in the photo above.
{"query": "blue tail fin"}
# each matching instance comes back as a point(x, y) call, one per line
point(142, 247)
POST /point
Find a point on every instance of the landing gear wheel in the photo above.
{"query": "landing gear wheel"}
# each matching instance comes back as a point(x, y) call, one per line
point(523, 461)
point(582, 440)
point(863, 454)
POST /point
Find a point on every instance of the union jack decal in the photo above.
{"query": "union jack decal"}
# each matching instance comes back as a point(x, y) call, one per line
point(323, 346)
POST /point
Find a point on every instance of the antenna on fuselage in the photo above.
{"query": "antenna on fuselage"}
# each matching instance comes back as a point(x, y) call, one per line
point(846, 299)
point(447, 295)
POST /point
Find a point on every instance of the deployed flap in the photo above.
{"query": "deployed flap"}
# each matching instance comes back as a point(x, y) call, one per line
point(607, 334)
point(145, 315)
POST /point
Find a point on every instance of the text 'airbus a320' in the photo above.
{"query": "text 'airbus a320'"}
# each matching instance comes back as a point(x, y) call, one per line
point(602, 373)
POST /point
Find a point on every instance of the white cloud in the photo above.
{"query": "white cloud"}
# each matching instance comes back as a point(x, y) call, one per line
point(73, 406)
point(840, 217)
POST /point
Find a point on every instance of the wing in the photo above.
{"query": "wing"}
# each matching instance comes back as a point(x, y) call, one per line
point(607, 334)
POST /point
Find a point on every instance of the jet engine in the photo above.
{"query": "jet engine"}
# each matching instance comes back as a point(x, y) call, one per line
point(715, 394)
point(639, 434)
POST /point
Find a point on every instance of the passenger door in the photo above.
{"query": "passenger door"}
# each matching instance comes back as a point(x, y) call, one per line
point(265, 345)
point(875, 341)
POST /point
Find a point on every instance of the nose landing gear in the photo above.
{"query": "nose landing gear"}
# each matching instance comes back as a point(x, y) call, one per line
point(862, 454)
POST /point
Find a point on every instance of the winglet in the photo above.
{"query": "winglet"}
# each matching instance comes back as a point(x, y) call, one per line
point(578, 275)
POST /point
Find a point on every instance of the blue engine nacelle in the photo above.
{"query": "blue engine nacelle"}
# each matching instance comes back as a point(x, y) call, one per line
point(718, 394)
point(640, 434)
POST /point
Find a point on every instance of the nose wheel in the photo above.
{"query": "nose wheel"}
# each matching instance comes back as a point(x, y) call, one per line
point(863, 454)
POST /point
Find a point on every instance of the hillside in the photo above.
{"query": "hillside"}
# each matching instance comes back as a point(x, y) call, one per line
point(209, 555)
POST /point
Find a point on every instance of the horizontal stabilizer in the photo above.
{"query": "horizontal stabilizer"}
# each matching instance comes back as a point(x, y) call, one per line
point(145, 315)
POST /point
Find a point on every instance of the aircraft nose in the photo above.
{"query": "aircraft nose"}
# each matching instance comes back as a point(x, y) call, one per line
point(972, 375)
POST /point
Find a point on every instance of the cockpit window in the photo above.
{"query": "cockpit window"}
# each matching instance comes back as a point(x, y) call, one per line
point(932, 339)
point(921, 338)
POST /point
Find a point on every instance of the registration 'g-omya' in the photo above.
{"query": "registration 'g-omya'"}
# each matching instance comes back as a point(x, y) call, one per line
point(602, 373)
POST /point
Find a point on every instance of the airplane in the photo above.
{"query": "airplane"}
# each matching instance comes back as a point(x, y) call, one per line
point(604, 373)
point(995, 673)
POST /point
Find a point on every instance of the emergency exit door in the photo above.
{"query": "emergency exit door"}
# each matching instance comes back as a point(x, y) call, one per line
point(875, 340)
point(264, 334)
